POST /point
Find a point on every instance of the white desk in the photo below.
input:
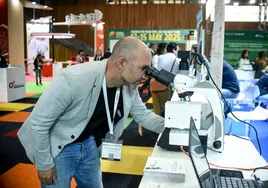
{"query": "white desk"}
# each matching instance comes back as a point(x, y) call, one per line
point(237, 153)
point(245, 75)
point(12, 83)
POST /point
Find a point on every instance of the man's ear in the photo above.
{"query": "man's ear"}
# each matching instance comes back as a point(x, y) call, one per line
point(121, 63)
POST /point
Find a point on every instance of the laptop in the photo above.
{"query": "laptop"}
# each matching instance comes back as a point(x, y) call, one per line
point(217, 178)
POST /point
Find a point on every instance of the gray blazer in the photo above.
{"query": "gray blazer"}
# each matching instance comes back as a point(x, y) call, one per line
point(65, 108)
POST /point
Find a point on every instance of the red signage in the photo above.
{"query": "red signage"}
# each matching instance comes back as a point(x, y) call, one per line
point(3, 26)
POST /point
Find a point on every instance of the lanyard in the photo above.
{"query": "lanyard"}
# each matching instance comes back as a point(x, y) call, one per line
point(116, 100)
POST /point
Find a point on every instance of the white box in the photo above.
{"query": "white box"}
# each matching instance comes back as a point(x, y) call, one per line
point(164, 169)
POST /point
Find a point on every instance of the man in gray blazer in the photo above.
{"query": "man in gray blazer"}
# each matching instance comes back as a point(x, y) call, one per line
point(69, 121)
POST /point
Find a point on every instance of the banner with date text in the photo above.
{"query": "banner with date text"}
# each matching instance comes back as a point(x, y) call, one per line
point(179, 36)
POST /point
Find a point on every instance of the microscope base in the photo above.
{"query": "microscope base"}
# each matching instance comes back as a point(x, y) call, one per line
point(163, 142)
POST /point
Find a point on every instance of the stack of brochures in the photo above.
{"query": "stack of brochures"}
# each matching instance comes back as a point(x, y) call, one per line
point(164, 169)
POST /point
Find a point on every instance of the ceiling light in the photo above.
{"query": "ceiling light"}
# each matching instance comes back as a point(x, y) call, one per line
point(252, 1)
point(227, 1)
point(236, 4)
point(34, 3)
point(84, 22)
point(45, 6)
point(56, 35)
point(203, 1)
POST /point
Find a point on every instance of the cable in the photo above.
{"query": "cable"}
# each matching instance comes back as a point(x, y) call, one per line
point(238, 136)
point(259, 168)
point(229, 109)
point(236, 168)
point(186, 153)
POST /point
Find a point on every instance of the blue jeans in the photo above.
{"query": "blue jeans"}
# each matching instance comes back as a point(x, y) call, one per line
point(227, 94)
point(263, 98)
point(80, 161)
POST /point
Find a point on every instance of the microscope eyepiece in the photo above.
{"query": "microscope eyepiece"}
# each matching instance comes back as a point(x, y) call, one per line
point(152, 72)
point(162, 76)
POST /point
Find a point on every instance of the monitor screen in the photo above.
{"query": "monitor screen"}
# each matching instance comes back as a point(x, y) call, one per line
point(198, 156)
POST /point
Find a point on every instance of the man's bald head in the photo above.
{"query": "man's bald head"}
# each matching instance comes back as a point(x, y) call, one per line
point(128, 62)
point(129, 48)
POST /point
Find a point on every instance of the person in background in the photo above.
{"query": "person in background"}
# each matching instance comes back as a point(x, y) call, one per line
point(38, 68)
point(260, 64)
point(80, 108)
point(108, 50)
point(98, 56)
point(244, 59)
point(193, 59)
point(106, 54)
point(80, 57)
point(153, 48)
point(169, 62)
point(146, 84)
point(230, 85)
point(262, 84)
point(3, 62)
point(161, 49)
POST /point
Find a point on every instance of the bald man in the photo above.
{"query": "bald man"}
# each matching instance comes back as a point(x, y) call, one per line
point(83, 105)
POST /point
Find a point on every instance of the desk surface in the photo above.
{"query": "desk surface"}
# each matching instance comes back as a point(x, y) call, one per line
point(237, 153)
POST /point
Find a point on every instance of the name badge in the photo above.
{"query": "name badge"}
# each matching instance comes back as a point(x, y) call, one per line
point(111, 150)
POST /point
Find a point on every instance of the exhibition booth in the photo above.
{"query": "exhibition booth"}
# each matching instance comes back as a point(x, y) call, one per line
point(39, 39)
point(198, 101)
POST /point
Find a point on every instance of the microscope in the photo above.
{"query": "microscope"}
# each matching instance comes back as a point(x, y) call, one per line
point(184, 65)
point(199, 100)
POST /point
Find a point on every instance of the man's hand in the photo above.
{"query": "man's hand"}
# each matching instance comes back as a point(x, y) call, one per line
point(47, 176)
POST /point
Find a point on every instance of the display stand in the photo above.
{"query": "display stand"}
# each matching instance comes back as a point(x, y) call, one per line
point(12, 84)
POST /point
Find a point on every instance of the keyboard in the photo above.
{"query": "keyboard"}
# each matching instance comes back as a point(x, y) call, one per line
point(227, 182)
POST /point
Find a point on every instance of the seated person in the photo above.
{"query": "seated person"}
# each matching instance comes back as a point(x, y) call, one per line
point(3, 62)
point(260, 64)
point(230, 85)
point(244, 59)
point(262, 84)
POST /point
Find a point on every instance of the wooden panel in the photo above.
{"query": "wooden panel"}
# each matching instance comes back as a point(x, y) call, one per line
point(241, 26)
point(62, 53)
point(151, 16)
point(15, 33)
point(138, 16)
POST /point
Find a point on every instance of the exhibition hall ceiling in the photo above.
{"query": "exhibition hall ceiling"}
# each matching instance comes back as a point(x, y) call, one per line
point(82, 2)
point(88, 2)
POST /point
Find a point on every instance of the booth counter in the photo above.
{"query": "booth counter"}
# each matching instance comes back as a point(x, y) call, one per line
point(12, 83)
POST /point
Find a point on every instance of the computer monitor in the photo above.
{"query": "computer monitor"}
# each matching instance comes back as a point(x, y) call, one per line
point(206, 177)
point(198, 158)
